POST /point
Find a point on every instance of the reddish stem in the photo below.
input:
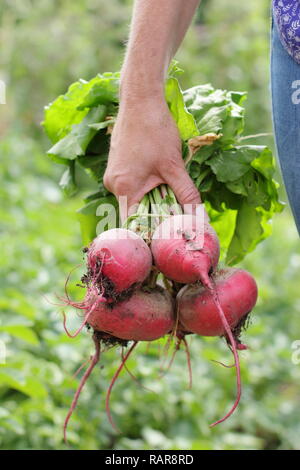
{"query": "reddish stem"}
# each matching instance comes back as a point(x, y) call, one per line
point(164, 351)
point(84, 305)
point(172, 335)
point(222, 364)
point(85, 320)
point(116, 375)
point(232, 341)
point(88, 372)
point(81, 367)
point(68, 279)
point(177, 346)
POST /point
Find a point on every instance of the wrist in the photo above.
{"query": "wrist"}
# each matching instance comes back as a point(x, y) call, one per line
point(133, 95)
point(141, 83)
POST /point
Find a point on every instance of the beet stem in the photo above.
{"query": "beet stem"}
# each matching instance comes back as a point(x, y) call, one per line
point(116, 375)
point(88, 372)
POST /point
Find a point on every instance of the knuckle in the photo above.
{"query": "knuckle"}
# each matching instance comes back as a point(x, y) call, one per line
point(189, 193)
point(117, 184)
point(171, 163)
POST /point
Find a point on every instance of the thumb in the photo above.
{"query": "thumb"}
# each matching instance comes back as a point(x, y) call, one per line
point(184, 189)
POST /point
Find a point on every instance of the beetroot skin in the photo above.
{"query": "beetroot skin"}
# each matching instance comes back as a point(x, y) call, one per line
point(120, 257)
point(189, 253)
point(147, 315)
point(237, 293)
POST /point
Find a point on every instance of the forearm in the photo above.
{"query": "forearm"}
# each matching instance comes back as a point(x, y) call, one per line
point(157, 30)
point(145, 130)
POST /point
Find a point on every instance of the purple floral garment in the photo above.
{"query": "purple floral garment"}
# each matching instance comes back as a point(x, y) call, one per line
point(287, 17)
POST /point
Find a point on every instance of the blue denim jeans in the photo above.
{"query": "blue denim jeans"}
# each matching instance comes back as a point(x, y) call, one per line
point(285, 90)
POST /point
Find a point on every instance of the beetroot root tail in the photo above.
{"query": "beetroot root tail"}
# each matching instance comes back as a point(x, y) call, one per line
point(165, 350)
point(188, 360)
point(230, 366)
point(81, 367)
point(68, 279)
point(86, 375)
point(176, 348)
point(113, 380)
point(234, 352)
point(133, 377)
point(85, 320)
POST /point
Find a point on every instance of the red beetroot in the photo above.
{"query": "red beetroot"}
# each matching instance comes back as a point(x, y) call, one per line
point(237, 293)
point(147, 315)
point(120, 258)
point(230, 296)
point(185, 249)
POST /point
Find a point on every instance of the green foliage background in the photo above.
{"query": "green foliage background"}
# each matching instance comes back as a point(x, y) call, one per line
point(47, 45)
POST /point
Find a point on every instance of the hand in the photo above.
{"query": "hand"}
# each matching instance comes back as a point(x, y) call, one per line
point(145, 152)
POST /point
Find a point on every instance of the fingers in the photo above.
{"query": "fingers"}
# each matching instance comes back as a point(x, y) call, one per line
point(130, 193)
point(131, 185)
point(125, 208)
point(184, 189)
point(125, 193)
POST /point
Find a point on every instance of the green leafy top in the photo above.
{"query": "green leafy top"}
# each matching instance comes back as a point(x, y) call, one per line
point(235, 180)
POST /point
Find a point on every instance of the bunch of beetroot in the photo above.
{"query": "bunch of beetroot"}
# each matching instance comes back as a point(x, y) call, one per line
point(159, 276)
point(159, 273)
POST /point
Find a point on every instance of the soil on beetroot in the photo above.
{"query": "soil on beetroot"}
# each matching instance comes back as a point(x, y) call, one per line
point(239, 329)
point(108, 340)
point(105, 286)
